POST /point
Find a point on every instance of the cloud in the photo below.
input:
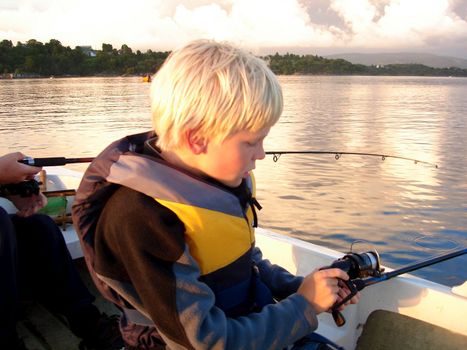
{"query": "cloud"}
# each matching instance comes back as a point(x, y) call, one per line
point(459, 7)
point(382, 24)
point(252, 23)
point(256, 24)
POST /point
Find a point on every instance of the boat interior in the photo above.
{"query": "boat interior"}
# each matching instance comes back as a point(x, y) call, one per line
point(372, 325)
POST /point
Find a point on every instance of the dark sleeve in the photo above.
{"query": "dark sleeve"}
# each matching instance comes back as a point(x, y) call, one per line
point(280, 281)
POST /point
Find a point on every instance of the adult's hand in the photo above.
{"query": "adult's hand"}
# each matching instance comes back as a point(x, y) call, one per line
point(28, 205)
point(11, 171)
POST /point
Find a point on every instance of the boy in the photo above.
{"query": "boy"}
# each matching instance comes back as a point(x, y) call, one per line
point(166, 218)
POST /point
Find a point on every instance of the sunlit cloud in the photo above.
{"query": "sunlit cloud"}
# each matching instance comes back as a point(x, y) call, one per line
point(257, 24)
point(404, 23)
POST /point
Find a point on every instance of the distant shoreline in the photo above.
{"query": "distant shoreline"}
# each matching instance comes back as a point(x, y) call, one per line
point(23, 77)
point(285, 75)
point(34, 59)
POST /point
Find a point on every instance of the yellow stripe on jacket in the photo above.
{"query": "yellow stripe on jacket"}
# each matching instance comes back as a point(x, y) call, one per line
point(215, 239)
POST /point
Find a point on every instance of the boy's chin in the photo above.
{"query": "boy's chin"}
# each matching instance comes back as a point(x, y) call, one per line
point(232, 183)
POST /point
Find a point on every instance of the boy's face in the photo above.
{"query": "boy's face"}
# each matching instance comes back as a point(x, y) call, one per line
point(230, 161)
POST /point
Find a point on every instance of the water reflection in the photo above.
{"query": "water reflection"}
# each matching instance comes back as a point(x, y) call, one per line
point(406, 211)
point(75, 116)
point(395, 204)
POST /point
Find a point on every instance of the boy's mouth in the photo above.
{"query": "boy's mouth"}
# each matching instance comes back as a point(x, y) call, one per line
point(246, 173)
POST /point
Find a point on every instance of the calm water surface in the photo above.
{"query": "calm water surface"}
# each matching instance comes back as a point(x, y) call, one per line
point(406, 211)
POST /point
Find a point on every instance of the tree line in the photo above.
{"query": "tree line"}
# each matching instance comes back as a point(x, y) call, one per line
point(311, 64)
point(34, 58)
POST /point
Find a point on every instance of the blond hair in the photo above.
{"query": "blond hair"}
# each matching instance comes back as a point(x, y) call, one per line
point(215, 90)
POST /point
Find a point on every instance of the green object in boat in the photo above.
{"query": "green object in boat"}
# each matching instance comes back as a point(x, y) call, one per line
point(55, 206)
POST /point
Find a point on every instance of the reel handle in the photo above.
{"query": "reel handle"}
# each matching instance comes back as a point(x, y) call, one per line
point(339, 319)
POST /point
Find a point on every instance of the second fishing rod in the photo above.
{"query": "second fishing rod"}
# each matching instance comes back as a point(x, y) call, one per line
point(59, 161)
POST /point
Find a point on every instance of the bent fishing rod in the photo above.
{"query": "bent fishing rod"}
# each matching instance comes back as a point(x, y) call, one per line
point(364, 269)
point(276, 155)
point(58, 161)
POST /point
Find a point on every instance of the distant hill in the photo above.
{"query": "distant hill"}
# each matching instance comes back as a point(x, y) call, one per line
point(402, 58)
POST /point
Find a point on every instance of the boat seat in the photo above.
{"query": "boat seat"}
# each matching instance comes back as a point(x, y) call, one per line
point(389, 330)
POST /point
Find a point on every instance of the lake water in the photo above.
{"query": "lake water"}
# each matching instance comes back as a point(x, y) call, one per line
point(406, 211)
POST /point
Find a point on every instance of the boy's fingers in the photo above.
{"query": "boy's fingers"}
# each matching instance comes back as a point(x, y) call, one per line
point(335, 273)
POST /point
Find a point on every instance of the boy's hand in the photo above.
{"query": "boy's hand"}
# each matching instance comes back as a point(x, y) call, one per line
point(321, 288)
point(12, 172)
point(343, 292)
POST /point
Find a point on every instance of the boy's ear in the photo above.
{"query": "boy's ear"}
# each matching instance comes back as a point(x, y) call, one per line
point(196, 144)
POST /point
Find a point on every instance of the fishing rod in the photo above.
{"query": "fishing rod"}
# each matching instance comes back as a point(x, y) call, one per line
point(54, 161)
point(359, 266)
point(57, 161)
point(276, 155)
point(412, 267)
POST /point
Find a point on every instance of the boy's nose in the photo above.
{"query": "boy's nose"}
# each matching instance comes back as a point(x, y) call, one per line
point(260, 154)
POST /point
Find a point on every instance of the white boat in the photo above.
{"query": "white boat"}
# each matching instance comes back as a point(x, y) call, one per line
point(405, 312)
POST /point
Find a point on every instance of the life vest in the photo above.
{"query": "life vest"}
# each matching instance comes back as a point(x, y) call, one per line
point(219, 230)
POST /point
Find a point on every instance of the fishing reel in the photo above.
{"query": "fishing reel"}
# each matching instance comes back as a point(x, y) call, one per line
point(357, 266)
point(23, 189)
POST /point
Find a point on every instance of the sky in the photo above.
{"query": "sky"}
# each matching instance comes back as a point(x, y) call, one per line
point(262, 26)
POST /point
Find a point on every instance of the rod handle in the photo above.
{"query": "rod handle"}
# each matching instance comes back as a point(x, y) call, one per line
point(40, 162)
